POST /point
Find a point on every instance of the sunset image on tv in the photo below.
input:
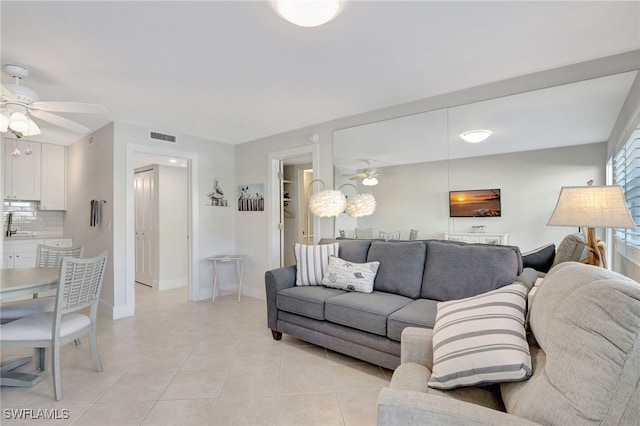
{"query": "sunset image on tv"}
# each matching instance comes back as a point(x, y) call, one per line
point(475, 203)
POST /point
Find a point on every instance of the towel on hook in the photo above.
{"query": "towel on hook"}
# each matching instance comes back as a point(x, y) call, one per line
point(95, 213)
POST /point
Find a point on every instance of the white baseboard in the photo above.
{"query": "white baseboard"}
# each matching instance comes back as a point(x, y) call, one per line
point(162, 285)
point(116, 313)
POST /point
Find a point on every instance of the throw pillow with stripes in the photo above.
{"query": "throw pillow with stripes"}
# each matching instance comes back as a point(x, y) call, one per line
point(481, 339)
point(312, 262)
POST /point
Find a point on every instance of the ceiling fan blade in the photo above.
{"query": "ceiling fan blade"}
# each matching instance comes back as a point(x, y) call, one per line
point(60, 121)
point(69, 107)
point(7, 94)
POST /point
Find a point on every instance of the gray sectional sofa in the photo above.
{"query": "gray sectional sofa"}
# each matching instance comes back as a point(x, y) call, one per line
point(412, 278)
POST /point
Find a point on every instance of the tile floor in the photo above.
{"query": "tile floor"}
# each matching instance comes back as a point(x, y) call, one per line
point(183, 363)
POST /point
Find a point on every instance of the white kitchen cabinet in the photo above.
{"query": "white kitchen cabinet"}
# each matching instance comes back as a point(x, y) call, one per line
point(53, 178)
point(22, 173)
point(478, 237)
point(21, 253)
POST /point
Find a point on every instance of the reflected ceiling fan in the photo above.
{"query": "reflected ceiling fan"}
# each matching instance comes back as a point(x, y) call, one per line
point(20, 103)
point(369, 175)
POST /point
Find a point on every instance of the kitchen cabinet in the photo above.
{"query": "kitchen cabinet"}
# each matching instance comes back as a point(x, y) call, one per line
point(22, 173)
point(21, 252)
point(53, 186)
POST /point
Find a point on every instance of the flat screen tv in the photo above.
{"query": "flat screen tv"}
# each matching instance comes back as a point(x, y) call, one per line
point(475, 203)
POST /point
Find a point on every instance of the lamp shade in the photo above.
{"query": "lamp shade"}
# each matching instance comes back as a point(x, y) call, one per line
point(592, 206)
point(327, 203)
point(370, 181)
point(360, 205)
point(19, 122)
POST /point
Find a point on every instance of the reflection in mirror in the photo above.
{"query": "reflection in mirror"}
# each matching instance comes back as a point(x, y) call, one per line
point(541, 140)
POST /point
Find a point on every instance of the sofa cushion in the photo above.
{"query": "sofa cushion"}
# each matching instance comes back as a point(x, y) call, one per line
point(587, 321)
point(481, 339)
point(419, 313)
point(401, 266)
point(351, 250)
point(312, 262)
point(350, 276)
point(305, 300)
point(572, 248)
point(540, 259)
point(457, 271)
point(367, 312)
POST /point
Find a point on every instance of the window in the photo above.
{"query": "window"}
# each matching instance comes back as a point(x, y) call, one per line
point(626, 173)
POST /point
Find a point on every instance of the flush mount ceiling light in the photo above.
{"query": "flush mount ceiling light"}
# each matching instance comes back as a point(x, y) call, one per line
point(475, 136)
point(308, 13)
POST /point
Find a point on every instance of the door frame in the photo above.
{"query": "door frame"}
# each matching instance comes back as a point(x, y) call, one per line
point(273, 189)
point(192, 218)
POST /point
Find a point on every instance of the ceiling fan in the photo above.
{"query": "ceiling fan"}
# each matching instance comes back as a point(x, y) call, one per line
point(19, 103)
point(369, 175)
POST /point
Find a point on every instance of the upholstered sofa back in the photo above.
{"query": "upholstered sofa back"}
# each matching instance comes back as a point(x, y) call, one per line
point(434, 269)
point(586, 321)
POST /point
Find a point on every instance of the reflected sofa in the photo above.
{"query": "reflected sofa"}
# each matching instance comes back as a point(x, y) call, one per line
point(412, 278)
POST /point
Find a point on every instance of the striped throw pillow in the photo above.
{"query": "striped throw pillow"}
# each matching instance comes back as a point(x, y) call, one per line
point(312, 262)
point(481, 339)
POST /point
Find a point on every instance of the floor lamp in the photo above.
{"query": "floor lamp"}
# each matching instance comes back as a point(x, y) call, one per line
point(592, 207)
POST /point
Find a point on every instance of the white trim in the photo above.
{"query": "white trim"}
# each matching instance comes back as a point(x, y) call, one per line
point(273, 167)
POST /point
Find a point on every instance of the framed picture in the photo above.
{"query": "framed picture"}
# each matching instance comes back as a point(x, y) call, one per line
point(251, 197)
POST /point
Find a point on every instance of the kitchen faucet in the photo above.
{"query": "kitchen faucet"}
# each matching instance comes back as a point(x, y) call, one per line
point(9, 222)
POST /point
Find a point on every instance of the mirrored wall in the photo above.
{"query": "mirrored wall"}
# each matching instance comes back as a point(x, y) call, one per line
point(540, 141)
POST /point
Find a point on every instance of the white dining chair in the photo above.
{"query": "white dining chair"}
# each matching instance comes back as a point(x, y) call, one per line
point(413, 234)
point(46, 256)
point(79, 288)
point(390, 235)
point(364, 233)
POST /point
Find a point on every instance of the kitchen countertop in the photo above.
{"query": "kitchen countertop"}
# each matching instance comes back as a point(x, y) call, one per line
point(33, 237)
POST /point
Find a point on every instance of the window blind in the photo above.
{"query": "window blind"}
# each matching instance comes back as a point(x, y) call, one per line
point(626, 173)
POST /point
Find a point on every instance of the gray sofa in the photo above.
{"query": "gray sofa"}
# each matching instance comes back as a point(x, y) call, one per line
point(585, 352)
point(412, 278)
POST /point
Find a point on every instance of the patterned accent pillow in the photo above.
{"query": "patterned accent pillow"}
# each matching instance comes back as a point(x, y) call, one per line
point(350, 276)
point(312, 262)
point(481, 339)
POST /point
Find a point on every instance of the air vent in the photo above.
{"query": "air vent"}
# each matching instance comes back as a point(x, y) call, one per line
point(162, 137)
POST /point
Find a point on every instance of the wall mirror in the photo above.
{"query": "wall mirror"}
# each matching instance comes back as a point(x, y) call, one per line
point(541, 140)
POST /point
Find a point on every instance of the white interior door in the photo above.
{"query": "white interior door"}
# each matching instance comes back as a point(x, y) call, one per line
point(146, 225)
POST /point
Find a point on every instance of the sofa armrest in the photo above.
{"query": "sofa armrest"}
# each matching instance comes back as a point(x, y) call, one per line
point(274, 281)
point(402, 407)
point(416, 346)
point(528, 277)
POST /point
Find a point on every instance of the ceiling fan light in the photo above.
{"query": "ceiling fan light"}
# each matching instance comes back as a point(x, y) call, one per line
point(370, 181)
point(19, 122)
point(476, 136)
point(307, 13)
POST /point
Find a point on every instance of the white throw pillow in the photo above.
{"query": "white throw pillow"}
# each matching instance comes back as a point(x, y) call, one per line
point(312, 262)
point(350, 276)
point(481, 339)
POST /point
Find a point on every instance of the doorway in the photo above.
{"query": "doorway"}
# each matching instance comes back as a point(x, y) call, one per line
point(191, 159)
point(303, 158)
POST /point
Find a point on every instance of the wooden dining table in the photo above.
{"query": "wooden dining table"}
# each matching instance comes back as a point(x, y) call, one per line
point(22, 283)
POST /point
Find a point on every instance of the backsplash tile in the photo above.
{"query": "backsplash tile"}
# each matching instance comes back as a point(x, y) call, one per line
point(28, 220)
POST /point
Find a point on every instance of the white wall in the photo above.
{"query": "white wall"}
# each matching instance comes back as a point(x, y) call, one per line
point(172, 227)
point(90, 175)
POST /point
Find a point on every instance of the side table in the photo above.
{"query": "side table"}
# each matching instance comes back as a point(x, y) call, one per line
point(222, 259)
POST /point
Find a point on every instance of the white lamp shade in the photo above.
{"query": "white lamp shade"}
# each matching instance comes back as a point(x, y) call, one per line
point(19, 122)
point(308, 13)
point(327, 203)
point(360, 205)
point(592, 206)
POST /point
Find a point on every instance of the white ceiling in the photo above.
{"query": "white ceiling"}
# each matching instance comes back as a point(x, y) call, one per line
point(235, 71)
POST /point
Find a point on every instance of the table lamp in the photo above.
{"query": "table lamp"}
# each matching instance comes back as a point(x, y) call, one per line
point(592, 207)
